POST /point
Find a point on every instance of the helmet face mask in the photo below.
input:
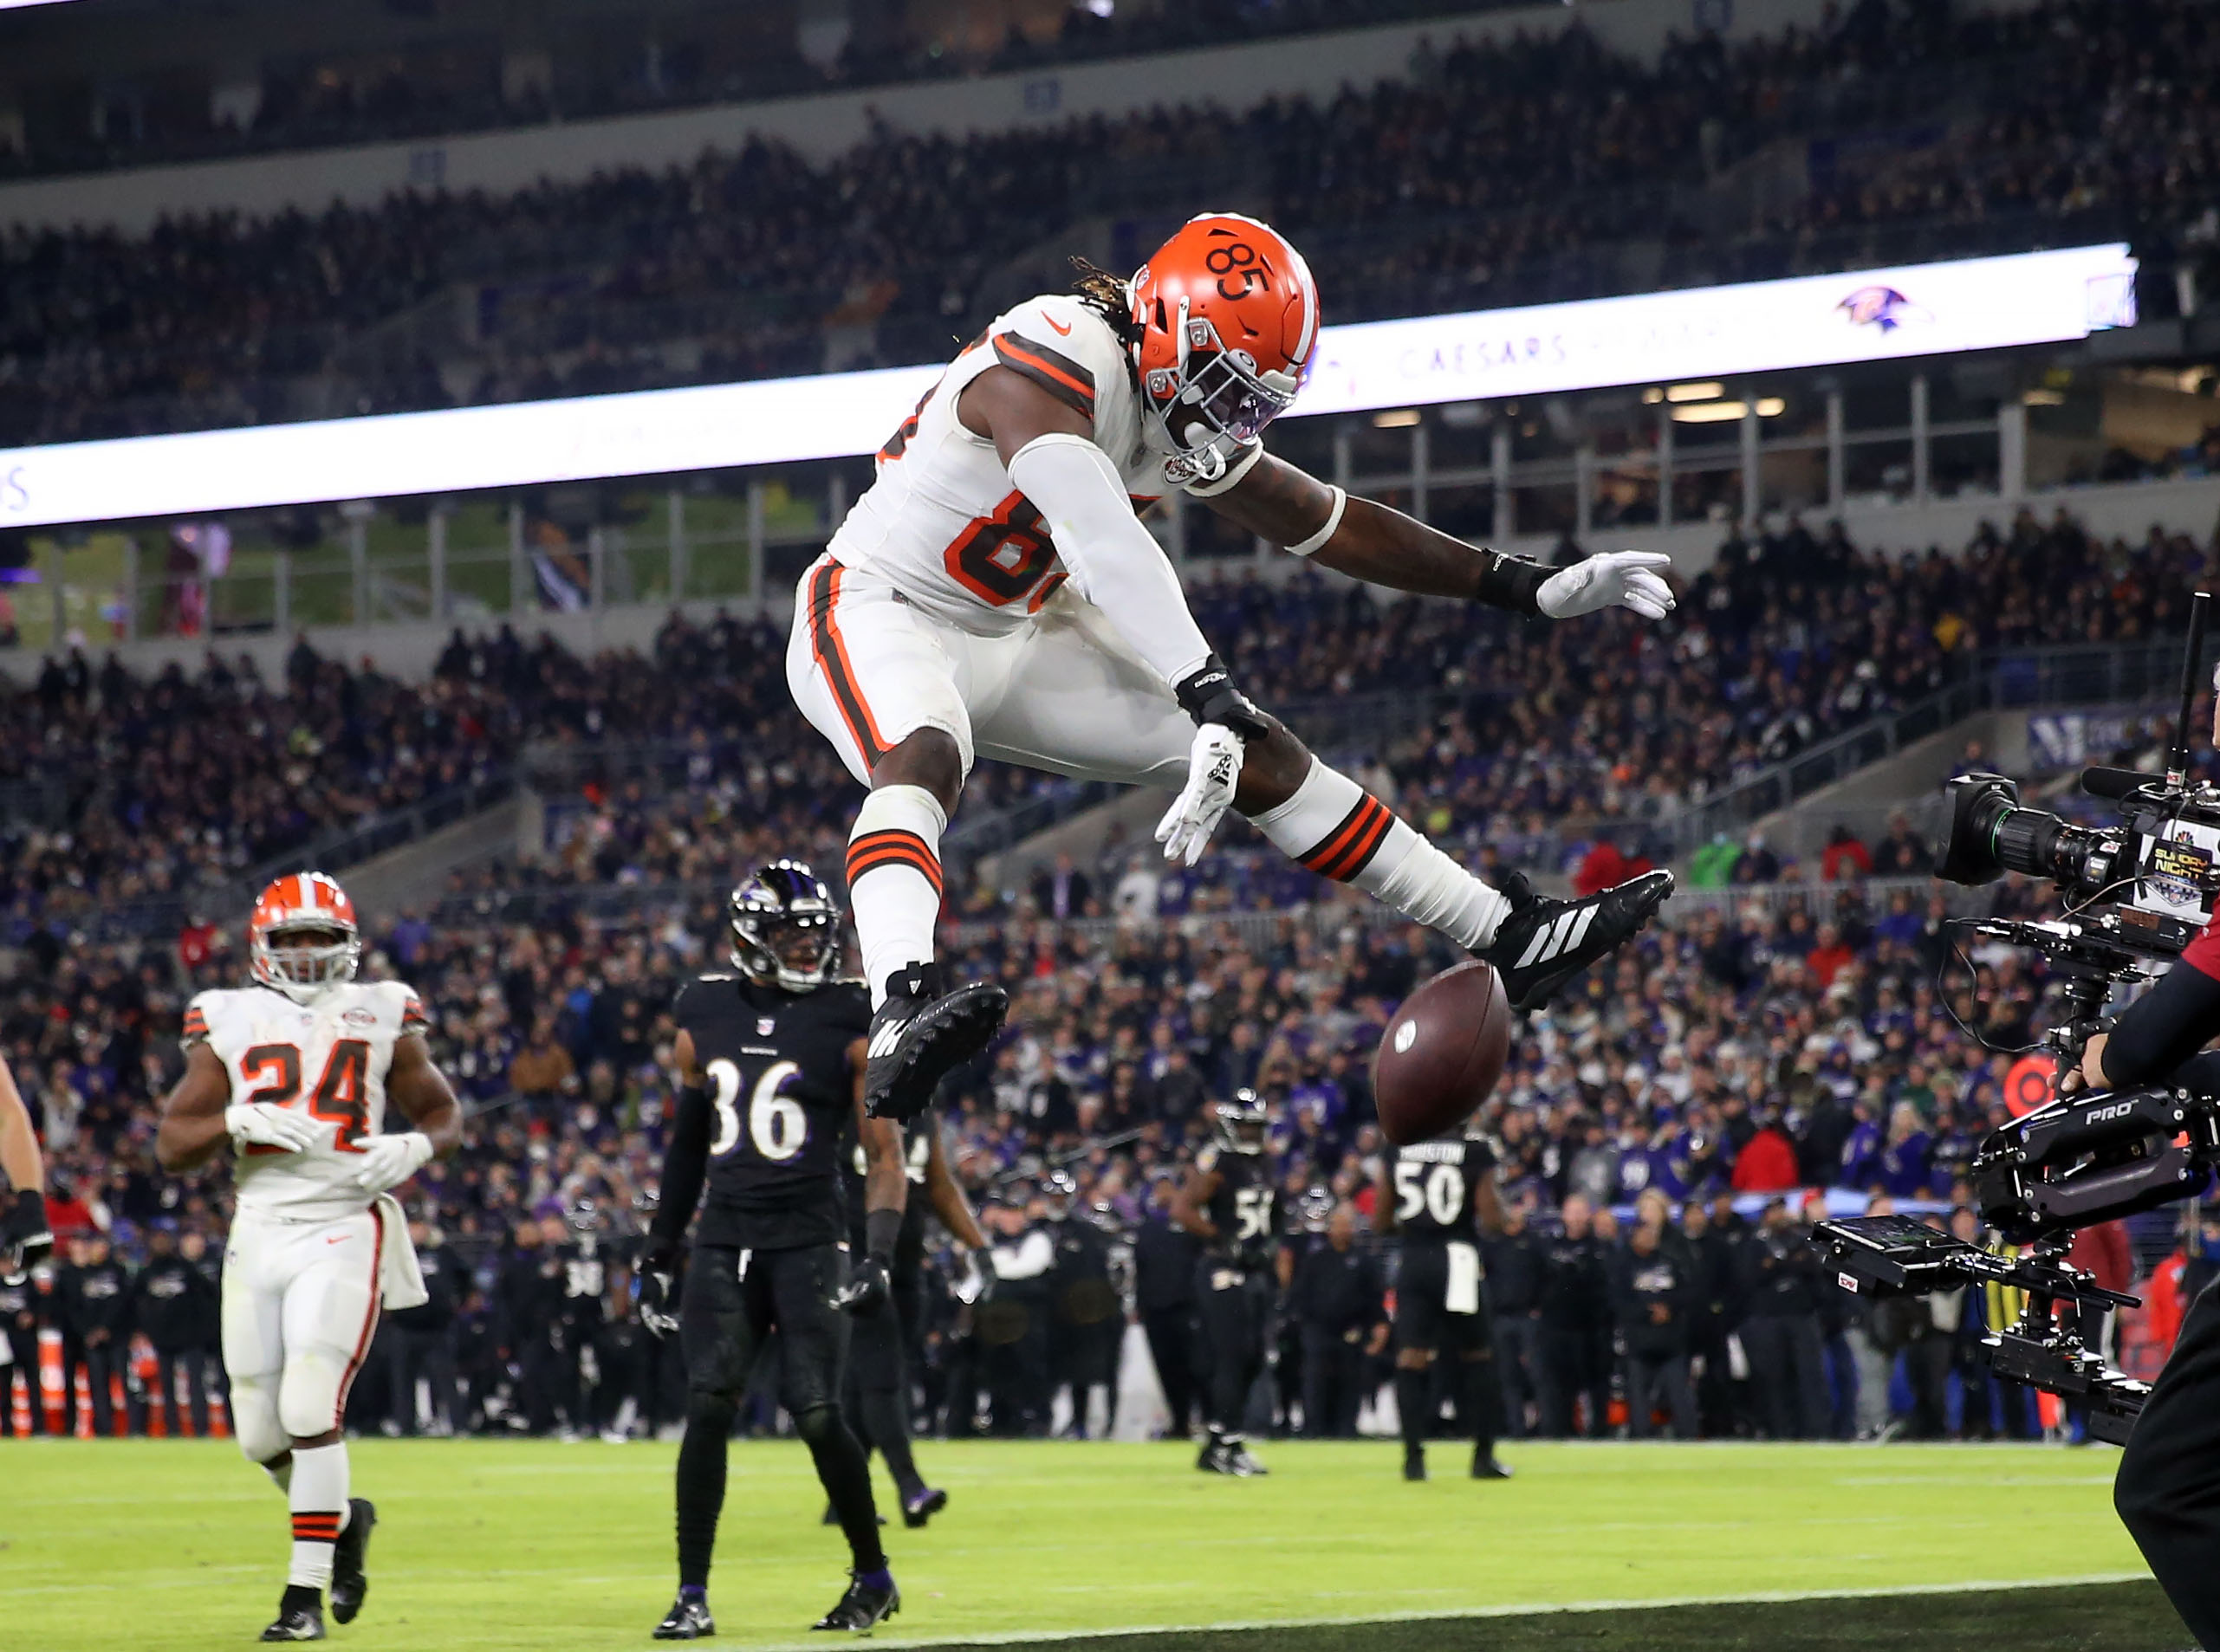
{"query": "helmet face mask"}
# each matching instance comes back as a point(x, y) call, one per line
point(786, 928)
point(1227, 319)
point(301, 940)
point(1243, 1124)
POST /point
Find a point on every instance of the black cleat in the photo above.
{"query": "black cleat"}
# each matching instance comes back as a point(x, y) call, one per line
point(687, 1619)
point(1484, 1467)
point(349, 1585)
point(864, 1607)
point(920, 1034)
point(916, 1511)
point(1414, 1465)
point(1545, 943)
point(1212, 1458)
point(300, 1617)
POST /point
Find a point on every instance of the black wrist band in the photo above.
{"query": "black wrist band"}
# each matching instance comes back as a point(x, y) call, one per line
point(1510, 582)
point(880, 1229)
point(1207, 695)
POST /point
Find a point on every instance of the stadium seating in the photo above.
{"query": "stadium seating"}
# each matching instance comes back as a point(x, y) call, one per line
point(679, 765)
point(1482, 180)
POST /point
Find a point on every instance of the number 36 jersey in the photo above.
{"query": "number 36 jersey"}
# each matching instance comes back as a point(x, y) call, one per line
point(329, 1058)
point(781, 1092)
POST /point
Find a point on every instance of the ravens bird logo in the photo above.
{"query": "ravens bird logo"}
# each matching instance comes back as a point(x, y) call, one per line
point(1881, 306)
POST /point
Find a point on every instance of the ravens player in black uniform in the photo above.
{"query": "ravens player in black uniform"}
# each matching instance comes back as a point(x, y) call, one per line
point(1231, 1201)
point(878, 1381)
point(1440, 1195)
point(772, 1060)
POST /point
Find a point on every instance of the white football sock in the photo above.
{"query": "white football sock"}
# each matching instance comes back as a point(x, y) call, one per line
point(318, 1494)
point(1341, 831)
point(894, 883)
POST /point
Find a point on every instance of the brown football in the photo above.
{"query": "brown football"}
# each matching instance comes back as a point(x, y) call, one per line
point(1442, 1054)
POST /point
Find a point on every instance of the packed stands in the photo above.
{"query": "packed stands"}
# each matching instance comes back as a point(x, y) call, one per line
point(676, 765)
point(1494, 175)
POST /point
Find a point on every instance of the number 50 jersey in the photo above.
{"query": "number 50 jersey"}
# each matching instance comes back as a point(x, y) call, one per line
point(329, 1058)
point(781, 1090)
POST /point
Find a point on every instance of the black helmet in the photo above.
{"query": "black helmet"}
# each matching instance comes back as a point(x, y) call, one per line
point(786, 928)
point(1242, 1122)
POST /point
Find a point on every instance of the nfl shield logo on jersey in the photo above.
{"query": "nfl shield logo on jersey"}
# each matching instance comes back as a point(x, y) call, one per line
point(764, 1024)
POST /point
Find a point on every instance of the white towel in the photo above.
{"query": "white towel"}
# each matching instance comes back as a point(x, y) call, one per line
point(400, 1279)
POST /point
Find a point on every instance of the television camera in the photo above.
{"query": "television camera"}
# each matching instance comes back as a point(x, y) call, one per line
point(2136, 893)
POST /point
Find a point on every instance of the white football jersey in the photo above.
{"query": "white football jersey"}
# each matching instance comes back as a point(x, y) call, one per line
point(944, 524)
point(327, 1059)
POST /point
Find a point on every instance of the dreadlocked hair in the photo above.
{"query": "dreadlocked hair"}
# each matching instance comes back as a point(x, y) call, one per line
point(1109, 296)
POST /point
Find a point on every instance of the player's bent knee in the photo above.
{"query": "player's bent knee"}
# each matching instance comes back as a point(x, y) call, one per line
point(308, 1395)
point(817, 1424)
point(930, 758)
point(261, 1437)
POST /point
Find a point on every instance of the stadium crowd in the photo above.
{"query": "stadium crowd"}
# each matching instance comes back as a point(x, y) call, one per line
point(1534, 743)
point(1677, 1104)
point(1494, 174)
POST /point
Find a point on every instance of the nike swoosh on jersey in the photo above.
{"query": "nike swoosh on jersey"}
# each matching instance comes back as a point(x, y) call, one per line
point(1055, 323)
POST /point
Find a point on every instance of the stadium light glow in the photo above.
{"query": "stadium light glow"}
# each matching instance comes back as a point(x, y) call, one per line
point(1648, 338)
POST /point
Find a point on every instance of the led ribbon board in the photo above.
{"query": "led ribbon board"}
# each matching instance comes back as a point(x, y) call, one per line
point(1703, 333)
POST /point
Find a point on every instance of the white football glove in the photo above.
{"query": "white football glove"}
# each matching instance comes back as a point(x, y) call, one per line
point(388, 1161)
point(263, 1124)
point(1610, 580)
point(1213, 770)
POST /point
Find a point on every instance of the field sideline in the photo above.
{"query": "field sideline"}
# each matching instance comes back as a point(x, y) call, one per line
point(487, 1546)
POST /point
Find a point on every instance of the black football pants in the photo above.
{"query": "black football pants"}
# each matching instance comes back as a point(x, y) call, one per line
point(2168, 1488)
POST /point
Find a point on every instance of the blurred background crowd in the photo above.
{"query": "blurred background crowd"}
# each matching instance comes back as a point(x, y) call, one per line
point(1506, 172)
point(1522, 743)
point(1689, 1097)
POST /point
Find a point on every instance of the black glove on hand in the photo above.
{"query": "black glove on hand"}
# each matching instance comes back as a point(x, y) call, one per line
point(25, 1239)
point(661, 1271)
point(870, 1283)
point(1208, 695)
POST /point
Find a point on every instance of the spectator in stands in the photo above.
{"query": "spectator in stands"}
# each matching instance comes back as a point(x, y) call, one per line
point(1900, 854)
point(1844, 857)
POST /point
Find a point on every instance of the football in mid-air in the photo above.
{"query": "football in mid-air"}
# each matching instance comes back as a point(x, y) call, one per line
point(1442, 1054)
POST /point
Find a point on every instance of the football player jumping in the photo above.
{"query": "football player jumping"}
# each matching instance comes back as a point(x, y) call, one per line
point(993, 593)
point(295, 1073)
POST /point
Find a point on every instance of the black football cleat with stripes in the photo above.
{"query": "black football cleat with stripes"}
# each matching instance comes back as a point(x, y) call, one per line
point(1545, 943)
point(920, 1034)
point(349, 1583)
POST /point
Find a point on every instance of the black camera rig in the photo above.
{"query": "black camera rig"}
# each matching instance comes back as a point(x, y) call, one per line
point(1886, 1256)
point(2137, 893)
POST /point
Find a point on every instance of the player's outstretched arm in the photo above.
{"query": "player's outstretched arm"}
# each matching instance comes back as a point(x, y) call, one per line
point(194, 1123)
point(1288, 507)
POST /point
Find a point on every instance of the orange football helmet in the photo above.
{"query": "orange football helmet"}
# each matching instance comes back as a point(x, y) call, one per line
point(304, 904)
point(1227, 320)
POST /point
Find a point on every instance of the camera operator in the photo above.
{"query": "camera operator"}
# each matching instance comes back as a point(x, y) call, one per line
point(2168, 1487)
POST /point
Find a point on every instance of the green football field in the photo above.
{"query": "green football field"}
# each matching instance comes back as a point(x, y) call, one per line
point(558, 1548)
